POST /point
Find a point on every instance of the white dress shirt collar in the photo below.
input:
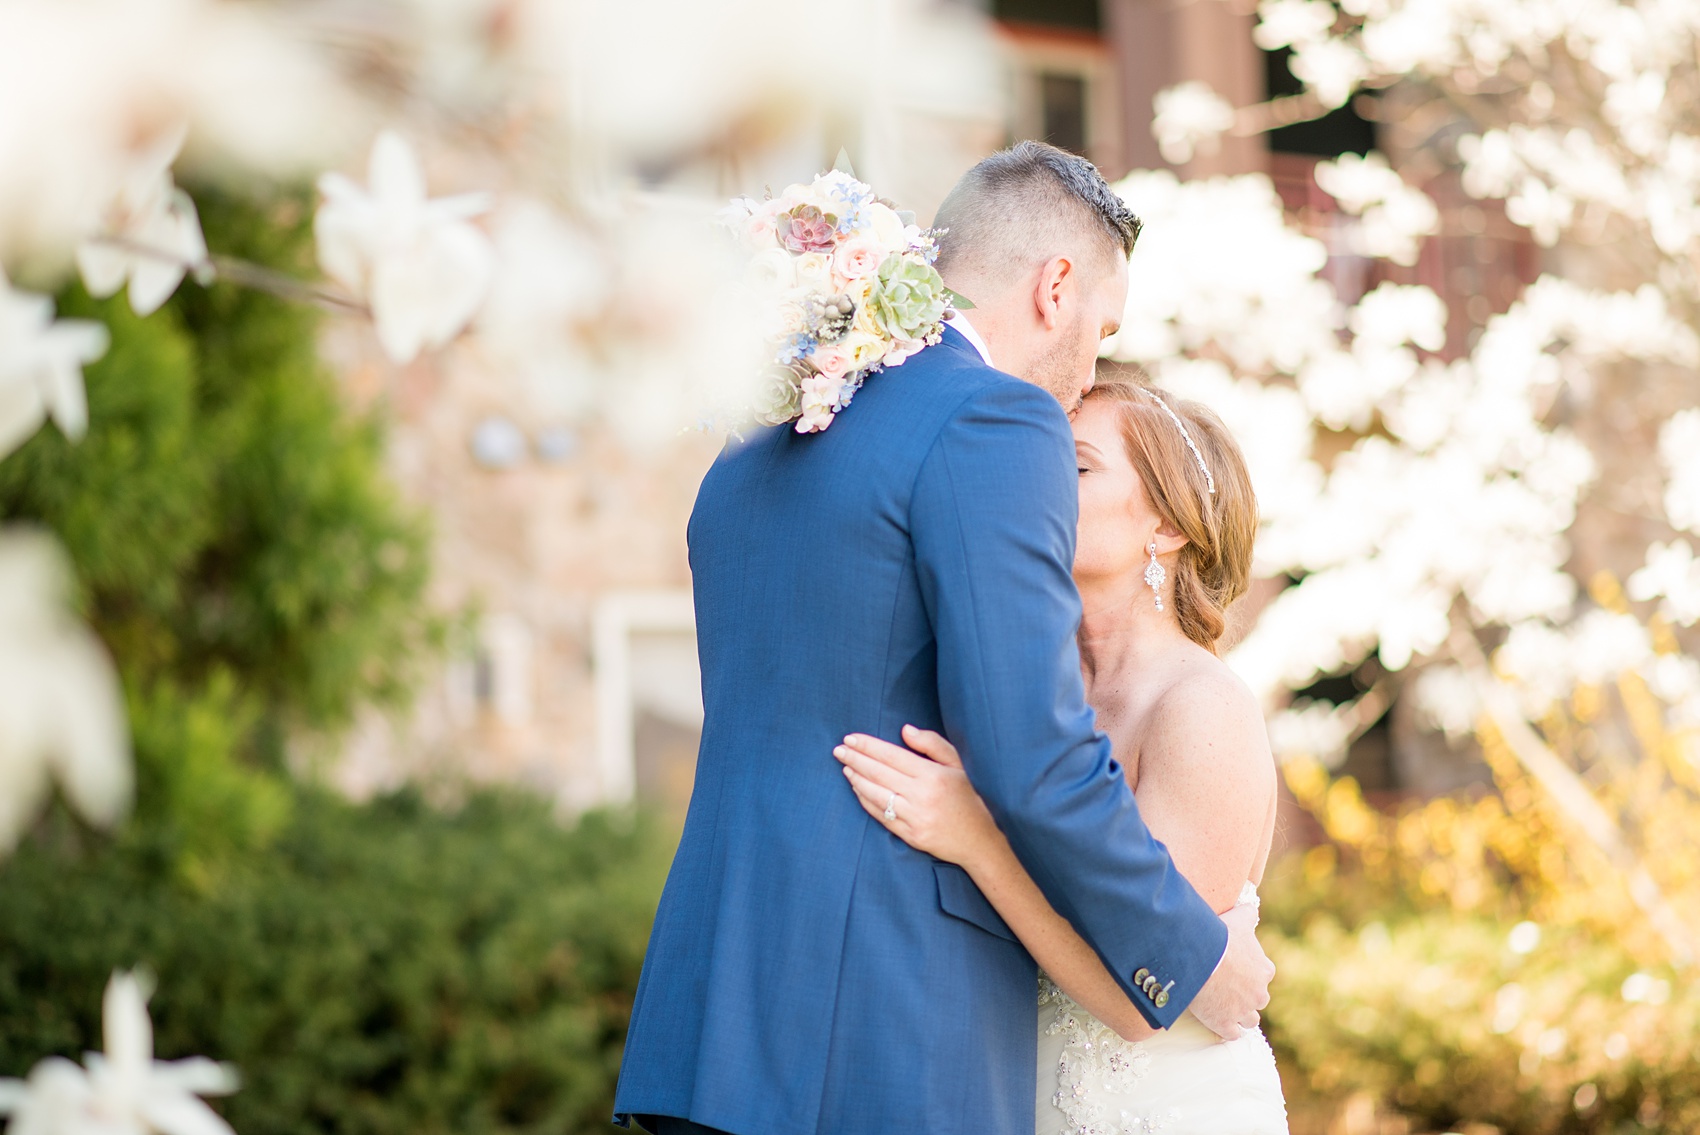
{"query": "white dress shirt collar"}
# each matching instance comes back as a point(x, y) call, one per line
point(960, 322)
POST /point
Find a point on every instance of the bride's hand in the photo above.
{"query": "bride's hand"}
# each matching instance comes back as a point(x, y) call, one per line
point(936, 809)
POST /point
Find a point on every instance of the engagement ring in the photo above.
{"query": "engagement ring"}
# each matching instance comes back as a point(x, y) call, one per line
point(891, 808)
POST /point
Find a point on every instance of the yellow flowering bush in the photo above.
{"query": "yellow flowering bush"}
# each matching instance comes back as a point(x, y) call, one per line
point(1508, 958)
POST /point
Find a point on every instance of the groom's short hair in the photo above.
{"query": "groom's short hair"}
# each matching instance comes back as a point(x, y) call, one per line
point(1024, 205)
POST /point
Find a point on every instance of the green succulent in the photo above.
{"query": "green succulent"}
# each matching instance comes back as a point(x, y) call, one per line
point(909, 298)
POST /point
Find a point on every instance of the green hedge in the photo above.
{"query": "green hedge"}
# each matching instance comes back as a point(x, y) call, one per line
point(385, 969)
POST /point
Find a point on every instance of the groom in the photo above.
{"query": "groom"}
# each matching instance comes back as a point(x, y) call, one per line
point(810, 974)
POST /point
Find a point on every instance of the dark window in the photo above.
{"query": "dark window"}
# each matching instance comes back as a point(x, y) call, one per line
point(1341, 131)
point(1062, 111)
point(1081, 14)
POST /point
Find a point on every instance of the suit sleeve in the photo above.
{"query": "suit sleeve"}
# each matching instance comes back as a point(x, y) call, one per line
point(993, 519)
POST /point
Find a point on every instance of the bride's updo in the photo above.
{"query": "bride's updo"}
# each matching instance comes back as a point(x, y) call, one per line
point(1214, 567)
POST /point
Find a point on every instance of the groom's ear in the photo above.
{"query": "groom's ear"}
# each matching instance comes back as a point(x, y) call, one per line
point(1057, 276)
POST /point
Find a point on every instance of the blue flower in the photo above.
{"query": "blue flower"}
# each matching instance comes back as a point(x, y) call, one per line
point(797, 348)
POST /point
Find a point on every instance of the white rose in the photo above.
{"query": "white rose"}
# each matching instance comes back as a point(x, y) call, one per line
point(814, 270)
point(774, 269)
point(888, 227)
point(864, 349)
point(795, 195)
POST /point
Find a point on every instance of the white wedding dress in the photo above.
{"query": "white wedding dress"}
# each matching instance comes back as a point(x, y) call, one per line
point(1184, 1081)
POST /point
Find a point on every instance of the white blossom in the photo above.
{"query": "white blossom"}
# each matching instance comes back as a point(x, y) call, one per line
point(550, 284)
point(419, 263)
point(1671, 575)
point(1316, 730)
point(61, 712)
point(1461, 501)
point(1330, 68)
point(1400, 313)
point(1679, 450)
point(1543, 210)
point(1448, 700)
point(1546, 662)
point(1284, 23)
point(41, 367)
point(1189, 118)
point(91, 88)
point(1395, 216)
point(1490, 164)
point(1217, 264)
point(124, 1091)
point(151, 235)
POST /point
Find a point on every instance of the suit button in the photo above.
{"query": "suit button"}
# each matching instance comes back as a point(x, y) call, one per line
point(1162, 998)
point(1140, 975)
point(1149, 985)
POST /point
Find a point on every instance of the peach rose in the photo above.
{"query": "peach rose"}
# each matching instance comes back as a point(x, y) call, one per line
point(859, 257)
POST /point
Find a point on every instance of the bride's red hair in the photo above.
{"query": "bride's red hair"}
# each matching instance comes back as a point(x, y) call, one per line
point(1214, 568)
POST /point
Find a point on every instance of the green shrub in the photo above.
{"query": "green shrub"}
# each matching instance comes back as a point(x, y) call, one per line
point(381, 970)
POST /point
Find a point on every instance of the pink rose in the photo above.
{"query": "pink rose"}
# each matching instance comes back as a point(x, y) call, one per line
point(806, 229)
point(833, 361)
point(858, 257)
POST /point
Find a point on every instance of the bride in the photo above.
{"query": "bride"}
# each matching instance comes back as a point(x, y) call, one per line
point(1167, 521)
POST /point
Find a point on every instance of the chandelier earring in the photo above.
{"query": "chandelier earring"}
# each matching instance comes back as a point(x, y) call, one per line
point(1155, 575)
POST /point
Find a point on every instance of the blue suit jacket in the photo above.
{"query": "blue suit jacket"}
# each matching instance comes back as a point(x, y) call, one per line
point(808, 971)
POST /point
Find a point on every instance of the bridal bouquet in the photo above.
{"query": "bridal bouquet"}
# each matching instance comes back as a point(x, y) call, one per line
point(847, 287)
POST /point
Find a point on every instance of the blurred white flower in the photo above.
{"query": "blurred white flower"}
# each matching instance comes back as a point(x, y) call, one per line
point(1316, 730)
point(420, 265)
point(1490, 164)
point(139, 1094)
point(55, 1100)
point(1547, 662)
point(704, 67)
point(1284, 23)
point(1448, 700)
point(125, 1090)
point(1396, 216)
point(1358, 182)
point(41, 367)
point(1217, 264)
point(107, 83)
point(1392, 314)
point(61, 711)
point(549, 284)
point(150, 236)
point(1189, 118)
point(1541, 209)
point(1672, 575)
point(1679, 451)
point(1330, 68)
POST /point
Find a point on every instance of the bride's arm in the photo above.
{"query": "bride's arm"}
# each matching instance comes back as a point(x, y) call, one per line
point(1206, 789)
point(938, 812)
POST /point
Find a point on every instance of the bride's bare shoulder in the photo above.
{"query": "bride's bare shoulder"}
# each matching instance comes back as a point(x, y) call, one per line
point(1207, 715)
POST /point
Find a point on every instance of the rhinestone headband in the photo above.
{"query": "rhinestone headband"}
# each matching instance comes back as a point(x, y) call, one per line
point(1185, 436)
